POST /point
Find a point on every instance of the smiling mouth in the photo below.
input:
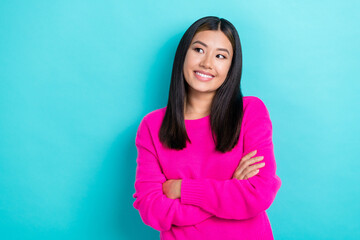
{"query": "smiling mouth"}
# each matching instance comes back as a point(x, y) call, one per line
point(202, 75)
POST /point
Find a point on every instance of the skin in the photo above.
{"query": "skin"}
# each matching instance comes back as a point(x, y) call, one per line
point(207, 59)
point(210, 52)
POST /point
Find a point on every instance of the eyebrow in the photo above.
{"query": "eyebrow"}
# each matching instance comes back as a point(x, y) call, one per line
point(220, 49)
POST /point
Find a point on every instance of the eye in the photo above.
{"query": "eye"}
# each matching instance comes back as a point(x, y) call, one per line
point(221, 56)
point(199, 50)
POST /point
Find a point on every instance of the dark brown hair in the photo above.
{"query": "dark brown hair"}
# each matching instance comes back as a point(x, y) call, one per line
point(227, 105)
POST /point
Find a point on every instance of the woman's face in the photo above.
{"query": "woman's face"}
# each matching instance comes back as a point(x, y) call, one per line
point(207, 61)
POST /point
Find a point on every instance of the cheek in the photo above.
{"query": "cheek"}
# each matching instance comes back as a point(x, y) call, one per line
point(225, 69)
point(191, 59)
point(187, 62)
point(187, 69)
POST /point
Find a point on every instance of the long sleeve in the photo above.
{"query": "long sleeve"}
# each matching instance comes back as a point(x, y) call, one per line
point(156, 210)
point(241, 199)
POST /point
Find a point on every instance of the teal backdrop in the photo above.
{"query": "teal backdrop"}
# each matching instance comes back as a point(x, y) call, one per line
point(77, 77)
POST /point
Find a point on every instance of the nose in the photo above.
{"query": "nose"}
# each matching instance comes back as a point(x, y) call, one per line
point(206, 61)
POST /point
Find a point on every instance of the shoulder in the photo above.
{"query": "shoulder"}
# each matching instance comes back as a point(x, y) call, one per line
point(155, 115)
point(152, 120)
point(253, 102)
point(254, 107)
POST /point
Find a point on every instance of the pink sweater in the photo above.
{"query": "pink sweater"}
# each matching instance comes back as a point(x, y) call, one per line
point(212, 204)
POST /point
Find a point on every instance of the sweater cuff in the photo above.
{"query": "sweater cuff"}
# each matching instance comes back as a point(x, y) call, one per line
point(193, 192)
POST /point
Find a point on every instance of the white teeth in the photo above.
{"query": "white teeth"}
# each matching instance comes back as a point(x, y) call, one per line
point(203, 75)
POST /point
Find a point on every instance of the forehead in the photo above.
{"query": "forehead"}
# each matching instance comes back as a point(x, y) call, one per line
point(212, 38)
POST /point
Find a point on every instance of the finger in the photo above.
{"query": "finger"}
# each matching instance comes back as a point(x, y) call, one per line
point(244, 162)
point(249, 155)
point(251, 168)
point(254, 167)
point(246, 176)
point(247, 163)
point(238, 176)
point(252, 160)
point(251, 174)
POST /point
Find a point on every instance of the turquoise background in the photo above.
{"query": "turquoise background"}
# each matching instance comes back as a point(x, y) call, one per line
point(76, 78)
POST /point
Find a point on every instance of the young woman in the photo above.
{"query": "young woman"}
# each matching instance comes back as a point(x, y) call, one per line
point(205, 164)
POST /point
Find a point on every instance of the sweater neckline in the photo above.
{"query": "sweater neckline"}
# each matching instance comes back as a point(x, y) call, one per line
point(197, 120)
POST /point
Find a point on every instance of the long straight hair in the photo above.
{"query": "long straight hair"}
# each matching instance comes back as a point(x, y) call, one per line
point(226, 111)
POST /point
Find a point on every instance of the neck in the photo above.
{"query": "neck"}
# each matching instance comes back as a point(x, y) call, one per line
point(198, 105)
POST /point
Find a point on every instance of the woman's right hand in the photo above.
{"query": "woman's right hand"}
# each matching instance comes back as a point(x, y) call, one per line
point(245, 170)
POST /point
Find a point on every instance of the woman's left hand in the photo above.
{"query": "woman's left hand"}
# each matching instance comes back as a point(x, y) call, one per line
point(172, 188)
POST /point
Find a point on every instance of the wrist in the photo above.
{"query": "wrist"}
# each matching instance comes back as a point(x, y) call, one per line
point(179, 188)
